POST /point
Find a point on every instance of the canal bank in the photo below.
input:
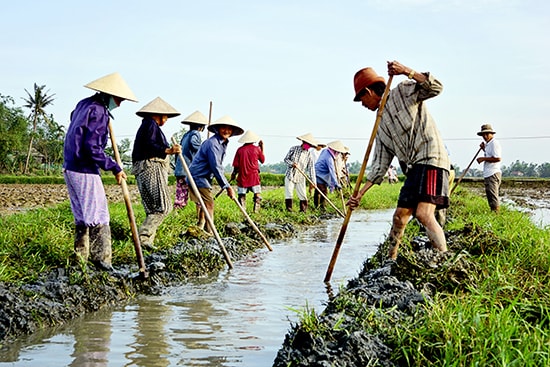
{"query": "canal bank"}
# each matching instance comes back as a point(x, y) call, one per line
point(482, 233)
point(485, 302)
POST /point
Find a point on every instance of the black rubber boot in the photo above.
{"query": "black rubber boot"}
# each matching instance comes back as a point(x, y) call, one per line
point(82, 242)
point(257, 203)
point(303, 206)
point(242, 200)
point(288, 203)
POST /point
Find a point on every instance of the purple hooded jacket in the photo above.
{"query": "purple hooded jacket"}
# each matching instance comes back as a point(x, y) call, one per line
point(87, 135)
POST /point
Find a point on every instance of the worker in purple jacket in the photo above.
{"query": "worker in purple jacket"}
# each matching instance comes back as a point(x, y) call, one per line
point(84, 159)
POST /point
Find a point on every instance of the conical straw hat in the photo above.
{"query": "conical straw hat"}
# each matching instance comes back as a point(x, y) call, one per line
point(308, 138)
point(226, 120)
point(195, 118)
point(249, 137)
point(114, 85)
point(158, 107)
point(338, 146)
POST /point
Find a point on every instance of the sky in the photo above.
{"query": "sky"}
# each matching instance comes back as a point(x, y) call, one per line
point(285, 68)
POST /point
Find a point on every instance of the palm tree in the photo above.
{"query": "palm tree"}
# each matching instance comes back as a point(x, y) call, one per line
point(37, 104)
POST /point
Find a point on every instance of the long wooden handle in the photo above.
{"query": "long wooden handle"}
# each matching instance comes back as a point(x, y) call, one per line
point(129, 208)
point(466, 170)
point(203, 208)
point(243, 210)
point(342, 233)
point(320, 192)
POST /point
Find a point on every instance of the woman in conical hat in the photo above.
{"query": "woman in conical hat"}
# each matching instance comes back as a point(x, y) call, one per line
point(208, 163)
point(190, 144)
point(84, 159)
point(299, 160)
point(150, 166)
point(246, 168)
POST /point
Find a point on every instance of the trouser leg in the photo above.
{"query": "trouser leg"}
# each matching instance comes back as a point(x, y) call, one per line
point(148, 230)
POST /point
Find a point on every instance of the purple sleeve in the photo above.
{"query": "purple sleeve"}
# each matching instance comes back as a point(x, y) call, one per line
point(95, 142)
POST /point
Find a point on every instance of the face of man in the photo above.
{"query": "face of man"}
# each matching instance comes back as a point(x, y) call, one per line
point(225, 131)
point(370, 100)
point(487, 136)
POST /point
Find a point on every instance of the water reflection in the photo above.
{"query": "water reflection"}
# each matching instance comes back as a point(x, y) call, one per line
point(238, 318)
point(92, 344)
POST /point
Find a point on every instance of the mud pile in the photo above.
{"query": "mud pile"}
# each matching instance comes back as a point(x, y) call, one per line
point(351, 331)
point(67, 293)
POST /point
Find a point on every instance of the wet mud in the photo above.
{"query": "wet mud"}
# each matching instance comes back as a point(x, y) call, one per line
point(392, 290)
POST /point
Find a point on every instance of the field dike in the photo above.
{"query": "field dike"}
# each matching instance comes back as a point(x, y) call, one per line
point(351, 329)
point(69, 292)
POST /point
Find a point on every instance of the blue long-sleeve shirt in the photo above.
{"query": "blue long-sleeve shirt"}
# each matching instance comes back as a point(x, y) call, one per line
point(190, 144)
point(150, 141)
point(208, 163)
point(325, 169)
point(86, 138)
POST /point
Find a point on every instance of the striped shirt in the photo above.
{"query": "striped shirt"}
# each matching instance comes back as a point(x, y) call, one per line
point(408, 131)
point(304, 161)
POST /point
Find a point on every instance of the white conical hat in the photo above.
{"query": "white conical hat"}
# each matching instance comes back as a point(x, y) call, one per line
point(249, 137)
point(195, 118)
point(338, 146)
point(114, 85)
point(158, 106)
point(226, 120)
point(308, 138)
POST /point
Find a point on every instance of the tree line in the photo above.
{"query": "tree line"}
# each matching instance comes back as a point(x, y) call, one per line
point(32, 143)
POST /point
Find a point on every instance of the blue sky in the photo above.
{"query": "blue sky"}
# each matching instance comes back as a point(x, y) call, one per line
point(285, 68)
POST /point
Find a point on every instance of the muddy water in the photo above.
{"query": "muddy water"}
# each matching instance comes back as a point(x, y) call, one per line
point(238, 318)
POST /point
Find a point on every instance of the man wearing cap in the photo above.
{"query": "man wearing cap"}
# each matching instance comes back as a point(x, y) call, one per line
point(492, 174)
point(208, 163)
point(407, 131)
point(84, 157)
point(246, 168)
point(150, 166)
point(299, 161)
point(190, 144)
point(326, 174)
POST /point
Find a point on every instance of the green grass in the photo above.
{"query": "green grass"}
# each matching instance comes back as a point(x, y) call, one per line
point(42, 239)
point(498, 316)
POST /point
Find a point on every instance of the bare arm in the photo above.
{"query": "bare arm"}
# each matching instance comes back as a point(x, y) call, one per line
point(396, 68)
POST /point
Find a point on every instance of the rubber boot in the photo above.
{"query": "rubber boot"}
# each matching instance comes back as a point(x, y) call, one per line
point(288, 203)
point(148, 230)
point(100, 247)
point(257, 201)
point(242, 200)
point(82, 242)
point(303, 206)
point(316, 199)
